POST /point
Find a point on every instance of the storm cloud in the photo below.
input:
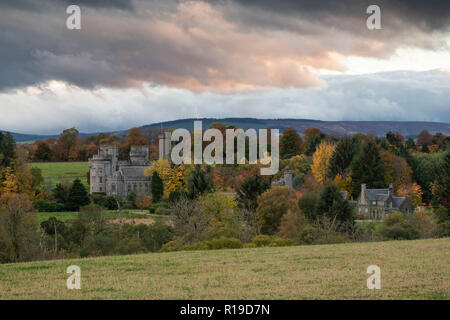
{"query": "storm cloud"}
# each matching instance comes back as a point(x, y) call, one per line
point(218, 46)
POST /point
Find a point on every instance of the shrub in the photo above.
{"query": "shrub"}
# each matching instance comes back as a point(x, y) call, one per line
point(269, 241)
point(262, 240)
point(163, 211)
point(226, 243)
point(398, 231)
point(393, 218)
point(272, 205)
point(48, 206)
point(424, 223)
point(443, 229)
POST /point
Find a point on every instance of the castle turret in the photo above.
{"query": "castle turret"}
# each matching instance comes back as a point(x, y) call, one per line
point(165, 144)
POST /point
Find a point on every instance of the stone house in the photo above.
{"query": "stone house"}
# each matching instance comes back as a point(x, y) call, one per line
point(375, 204)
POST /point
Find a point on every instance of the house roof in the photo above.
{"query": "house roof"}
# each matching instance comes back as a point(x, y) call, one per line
point(134, 172)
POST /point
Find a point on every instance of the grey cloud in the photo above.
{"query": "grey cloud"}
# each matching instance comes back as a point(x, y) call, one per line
point(226, 46)
point(402, 96)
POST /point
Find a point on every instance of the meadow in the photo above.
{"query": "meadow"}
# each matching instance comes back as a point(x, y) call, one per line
point(56, 172)
point(418, 269)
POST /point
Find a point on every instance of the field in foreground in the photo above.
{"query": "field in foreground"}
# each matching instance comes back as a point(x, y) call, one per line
point(417, 269)
point(56, 172)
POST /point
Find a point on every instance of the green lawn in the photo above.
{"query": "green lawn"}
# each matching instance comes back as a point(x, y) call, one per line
point(108, 214)
point(418, 269)
point(56, 172)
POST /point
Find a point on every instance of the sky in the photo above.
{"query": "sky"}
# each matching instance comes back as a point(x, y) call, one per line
point(138, 62)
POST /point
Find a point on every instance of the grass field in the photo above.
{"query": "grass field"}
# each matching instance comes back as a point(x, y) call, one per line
point(56, 172)
point(108, 214)
point(417, 269)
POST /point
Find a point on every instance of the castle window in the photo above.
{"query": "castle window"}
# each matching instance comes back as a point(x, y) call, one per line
point(101, 189)
point(101, 180)
point(113, 188)
point(129, 187)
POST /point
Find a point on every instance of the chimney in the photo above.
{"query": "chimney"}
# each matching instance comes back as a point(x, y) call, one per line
point(391, 189)
point(363, 188)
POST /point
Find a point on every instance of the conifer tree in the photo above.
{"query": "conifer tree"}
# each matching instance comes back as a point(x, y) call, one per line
point(368, 168)
point(78, 196)
point(157, 187)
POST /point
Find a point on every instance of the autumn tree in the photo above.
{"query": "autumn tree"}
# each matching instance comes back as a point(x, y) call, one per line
point(395, 138)
point(136, 138)
point(367, 168)
point(413, 192)
point(66, 146)
point(272, 205)
point(397, 170)
point(313, 137)
point(18, 229)
point(321, 161)
point(424, 138)
point(292, 225)
point(10, 183)
point(172, 176)
point(290, 143)
point(43, 152)
point(221, 210)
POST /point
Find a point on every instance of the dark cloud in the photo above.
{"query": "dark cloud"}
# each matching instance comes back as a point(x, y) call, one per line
point(33, 5)
point(218, 45)
point(430, 15)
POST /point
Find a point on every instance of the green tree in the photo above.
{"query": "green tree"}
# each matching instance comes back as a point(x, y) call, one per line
point(43, 152)
point(272, 205)
point(78, 196)
point(410, 144)
point(7, 150)
point(332, 204)
point(157, 187)
point(367, 168)
point(443, 184)
point(60, 194)
point(342, 157)
point(250, 190)
point(200, 181)
point(290, 143)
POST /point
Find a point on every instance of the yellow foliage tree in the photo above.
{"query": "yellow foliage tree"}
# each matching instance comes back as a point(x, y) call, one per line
point(321, 161)
point(172, 177)
point(344, 184)
point(11, 183)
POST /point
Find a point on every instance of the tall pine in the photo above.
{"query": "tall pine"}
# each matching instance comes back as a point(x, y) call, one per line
point(78, 196)
point(342, 157)
point(367, 168)
point(157, 187)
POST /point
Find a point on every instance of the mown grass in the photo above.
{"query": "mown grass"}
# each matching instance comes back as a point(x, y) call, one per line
point(417, 269)
point(56, 172)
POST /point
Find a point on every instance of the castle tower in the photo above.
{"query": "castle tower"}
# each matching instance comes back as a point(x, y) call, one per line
point(165, 144)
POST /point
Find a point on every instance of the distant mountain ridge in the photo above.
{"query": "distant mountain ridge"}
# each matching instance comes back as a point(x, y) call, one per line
point(380, 128)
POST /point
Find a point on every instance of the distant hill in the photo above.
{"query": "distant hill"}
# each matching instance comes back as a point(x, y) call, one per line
point(380, 128)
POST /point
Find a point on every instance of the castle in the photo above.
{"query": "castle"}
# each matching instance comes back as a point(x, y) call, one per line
point(112, 177)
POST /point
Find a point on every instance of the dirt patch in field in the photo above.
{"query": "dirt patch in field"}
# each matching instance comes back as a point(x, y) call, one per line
point(147, 222)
